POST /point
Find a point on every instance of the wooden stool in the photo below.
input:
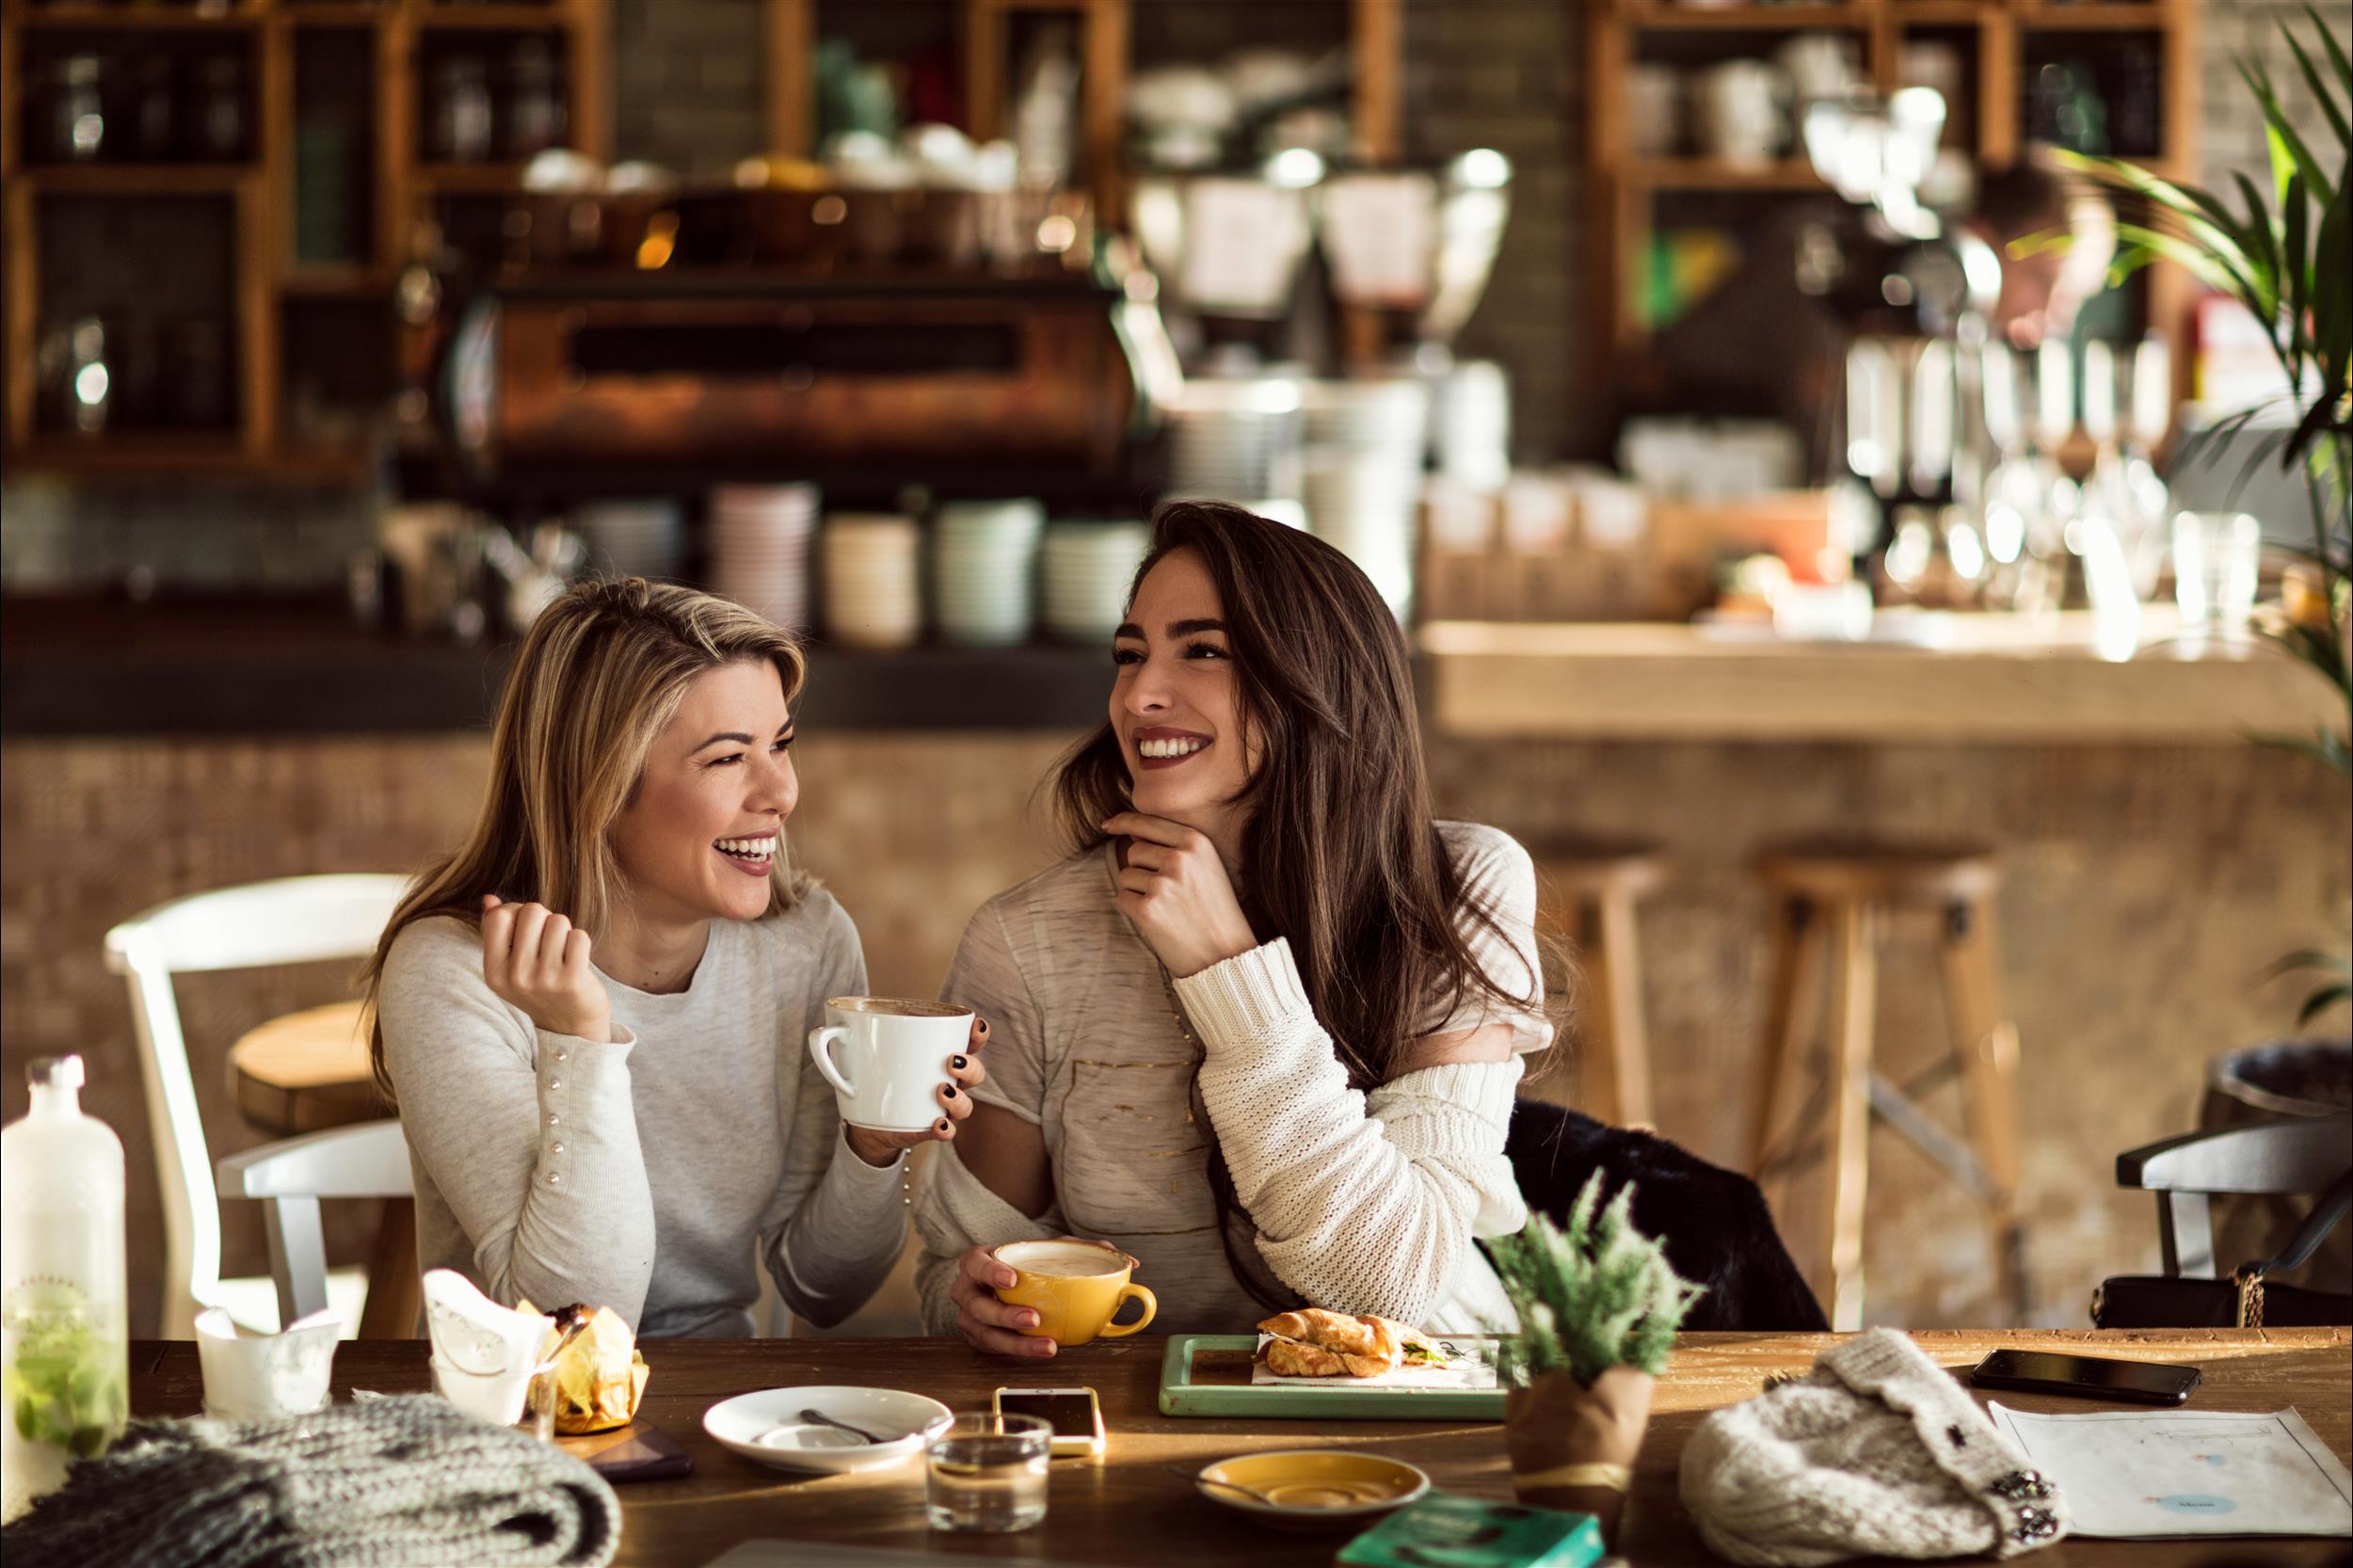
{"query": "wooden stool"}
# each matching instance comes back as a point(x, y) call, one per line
point(309, 1071)
point(1586, 892)
point(1832, 903)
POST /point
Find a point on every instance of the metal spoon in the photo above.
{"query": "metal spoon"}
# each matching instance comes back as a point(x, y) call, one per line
point(1228, 1485)
point(818, 1418)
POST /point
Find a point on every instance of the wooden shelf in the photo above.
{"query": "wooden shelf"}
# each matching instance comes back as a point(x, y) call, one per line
point(490, 19)
point(337, 13)
point(138, 179)
point(265, 274)
point(2094, 18)
point(1943, 13)
point(320, 281)
point(1711, 175)
point(486, 178)
point(179, 454)
point(1736, 18)
point(142, 19)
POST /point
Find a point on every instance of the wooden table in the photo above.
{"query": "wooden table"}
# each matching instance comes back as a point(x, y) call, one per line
point(1137, 1508)
point(307, 1072)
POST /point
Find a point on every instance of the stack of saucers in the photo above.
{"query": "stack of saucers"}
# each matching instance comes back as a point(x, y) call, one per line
point(1364, 473)
point(984, 553)
point(872, 597)
point(1088, 566)
point(1234, 439)
point(633, 538)
point(759, 547)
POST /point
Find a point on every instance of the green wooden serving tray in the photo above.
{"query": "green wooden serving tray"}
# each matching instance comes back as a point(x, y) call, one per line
point(1185, 1388)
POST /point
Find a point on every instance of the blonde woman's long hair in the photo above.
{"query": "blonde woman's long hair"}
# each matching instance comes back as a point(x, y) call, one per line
point(600, 676)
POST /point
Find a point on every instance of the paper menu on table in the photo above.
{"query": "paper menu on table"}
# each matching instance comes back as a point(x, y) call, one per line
point(2160, 1473)
point(1467, 1366)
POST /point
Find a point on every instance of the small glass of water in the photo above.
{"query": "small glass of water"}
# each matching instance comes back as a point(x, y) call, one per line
point(987, 1472)
point(2217, 557)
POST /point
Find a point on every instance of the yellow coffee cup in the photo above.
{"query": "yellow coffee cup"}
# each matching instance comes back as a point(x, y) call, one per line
point(1075, 1288)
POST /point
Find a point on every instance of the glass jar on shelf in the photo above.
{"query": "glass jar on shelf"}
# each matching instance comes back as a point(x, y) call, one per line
point(220, 109)
point(154, 108)
point(458, 114)
point(78, 108)
point(535, 103)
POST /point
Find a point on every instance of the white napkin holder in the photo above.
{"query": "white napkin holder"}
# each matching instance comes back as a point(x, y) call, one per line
point(484, 1354)
point(260, 1377)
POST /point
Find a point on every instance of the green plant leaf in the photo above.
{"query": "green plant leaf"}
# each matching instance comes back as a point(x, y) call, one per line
point(2320, 1001)
point(2332, 298)
point(2308, 958)
point(2288, 152)
point(2321, 94)
point(2329, 751)
point(2337, 56)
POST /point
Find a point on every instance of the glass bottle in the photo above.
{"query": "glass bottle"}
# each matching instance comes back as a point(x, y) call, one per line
point(78, 110)
point(64, 1318)
point(460, 124)
point(220, 109)
point(534, 110)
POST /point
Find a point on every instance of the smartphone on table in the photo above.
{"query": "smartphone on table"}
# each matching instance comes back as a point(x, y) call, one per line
point(2089, 1376)
point(1073, 1412)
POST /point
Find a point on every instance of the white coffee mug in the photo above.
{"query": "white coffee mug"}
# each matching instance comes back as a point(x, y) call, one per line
point(886, 1057)
point(1742, 112)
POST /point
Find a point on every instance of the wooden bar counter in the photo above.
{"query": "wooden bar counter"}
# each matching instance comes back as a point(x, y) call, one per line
point(1957, 678)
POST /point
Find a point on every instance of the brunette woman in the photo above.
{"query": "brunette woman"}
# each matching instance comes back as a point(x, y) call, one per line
point(1263, 1030)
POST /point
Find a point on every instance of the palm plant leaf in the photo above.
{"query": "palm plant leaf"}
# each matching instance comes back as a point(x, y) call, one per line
point(2321, 94)
point(2337, 58)
point(2289, 154)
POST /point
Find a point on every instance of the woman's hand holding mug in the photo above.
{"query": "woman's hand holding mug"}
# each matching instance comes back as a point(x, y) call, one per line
point(954, 1099)
point(538, 960)
point(987, 1323)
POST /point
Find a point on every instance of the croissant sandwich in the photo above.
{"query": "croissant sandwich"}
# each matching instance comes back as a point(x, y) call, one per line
point(600, 1375)
point(1317, 1343)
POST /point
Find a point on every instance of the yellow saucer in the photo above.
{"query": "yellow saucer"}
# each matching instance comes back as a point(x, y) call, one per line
point(1314, 1489)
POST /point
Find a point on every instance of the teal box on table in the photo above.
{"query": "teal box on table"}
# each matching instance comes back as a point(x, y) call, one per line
point(1445, 1531)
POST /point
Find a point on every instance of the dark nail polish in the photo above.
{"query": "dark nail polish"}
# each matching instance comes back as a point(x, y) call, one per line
point(983, 1029)
point(943, 1126)
point(949, 1092)
point(957, 1062)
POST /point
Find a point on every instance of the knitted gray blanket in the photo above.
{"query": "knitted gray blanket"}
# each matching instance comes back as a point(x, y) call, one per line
point(409, 1482)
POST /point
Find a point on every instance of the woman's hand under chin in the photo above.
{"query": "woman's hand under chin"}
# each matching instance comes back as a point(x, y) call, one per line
point(1175, 891)
point(956, 1104)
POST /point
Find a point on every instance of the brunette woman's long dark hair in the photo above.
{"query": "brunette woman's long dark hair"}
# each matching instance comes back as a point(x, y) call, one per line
point(1340, 844)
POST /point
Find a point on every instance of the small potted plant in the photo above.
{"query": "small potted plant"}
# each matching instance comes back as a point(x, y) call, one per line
point(1598, 1307)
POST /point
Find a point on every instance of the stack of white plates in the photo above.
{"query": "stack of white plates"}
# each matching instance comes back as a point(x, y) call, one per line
point(1470, 426)
point(759, 547)
point(1362, 469)
point(1088, 568)
point(984, 553)
point(1234, 439)
point(872, 599)
point(633, 538)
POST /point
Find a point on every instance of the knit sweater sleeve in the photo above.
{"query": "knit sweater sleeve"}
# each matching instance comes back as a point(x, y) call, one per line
point(839, 1224)
point(531, 1137)
point(1363, 1203)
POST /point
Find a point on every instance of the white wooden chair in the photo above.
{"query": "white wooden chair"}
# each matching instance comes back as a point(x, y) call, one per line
point(295, 919)
point(366, 1161)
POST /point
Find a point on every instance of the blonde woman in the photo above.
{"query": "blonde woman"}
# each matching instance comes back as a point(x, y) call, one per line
point(591, 1014)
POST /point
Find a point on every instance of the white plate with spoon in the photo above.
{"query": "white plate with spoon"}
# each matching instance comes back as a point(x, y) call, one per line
point(826, 1430)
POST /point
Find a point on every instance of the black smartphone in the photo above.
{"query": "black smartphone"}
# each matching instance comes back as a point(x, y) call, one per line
point(2089, 1376)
